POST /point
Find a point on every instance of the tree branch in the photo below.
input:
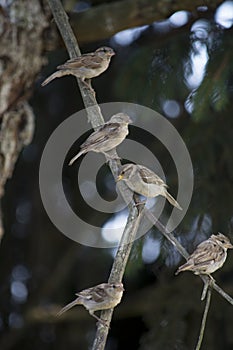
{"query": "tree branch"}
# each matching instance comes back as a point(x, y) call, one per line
point(103, 21)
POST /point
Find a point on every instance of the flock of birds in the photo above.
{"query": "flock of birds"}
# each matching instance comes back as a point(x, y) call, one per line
point(209, 255)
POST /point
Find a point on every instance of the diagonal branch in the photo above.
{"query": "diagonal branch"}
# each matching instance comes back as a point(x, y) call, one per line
point(96, 119)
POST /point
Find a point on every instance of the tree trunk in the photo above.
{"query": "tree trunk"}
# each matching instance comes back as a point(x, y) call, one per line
point(21, 58)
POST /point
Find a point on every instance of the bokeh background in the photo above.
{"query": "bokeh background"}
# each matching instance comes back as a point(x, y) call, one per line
point(181, 67)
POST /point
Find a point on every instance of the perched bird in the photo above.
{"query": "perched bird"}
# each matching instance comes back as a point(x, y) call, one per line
point(209, 256)
point(101, 297)
point(145, 182)
point(86, 66)
point(106, 137)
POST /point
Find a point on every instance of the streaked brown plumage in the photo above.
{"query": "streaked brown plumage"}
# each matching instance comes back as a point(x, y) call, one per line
point(209, 255)
point(86, 66)
point(101, 297)
point(145, 182)
point(107, 137)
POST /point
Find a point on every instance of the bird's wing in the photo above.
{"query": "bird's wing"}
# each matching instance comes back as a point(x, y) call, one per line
point(101, 135)
point(89, 60)
point(205, 253)
point(86, 293)
point(99, 293)
point(96, 293)
point(150, 177)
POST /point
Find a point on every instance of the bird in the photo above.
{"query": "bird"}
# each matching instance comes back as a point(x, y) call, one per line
point(144, 181)
point(208, 257)
point(101, 297)
point(86, 66)
point(106, 137)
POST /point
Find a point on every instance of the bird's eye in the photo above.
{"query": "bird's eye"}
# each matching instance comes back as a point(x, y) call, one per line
point(113, 286)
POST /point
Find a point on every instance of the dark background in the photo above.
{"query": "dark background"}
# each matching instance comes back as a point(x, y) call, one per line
point(41, 269)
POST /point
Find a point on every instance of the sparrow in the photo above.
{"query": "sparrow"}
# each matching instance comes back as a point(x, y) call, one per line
point(145, 182)
point(86, 66)
point(106, 137)
point(208, 257)
point(101, 297)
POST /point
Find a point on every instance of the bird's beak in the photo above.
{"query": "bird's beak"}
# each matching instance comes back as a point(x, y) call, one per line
point(229, 246)
point(119, 178)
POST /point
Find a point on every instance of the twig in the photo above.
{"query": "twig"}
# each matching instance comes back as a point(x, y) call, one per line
point(222, 293)
point(203, 323)
point(167, 234)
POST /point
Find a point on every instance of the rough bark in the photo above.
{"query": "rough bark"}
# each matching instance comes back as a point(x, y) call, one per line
point(21, 58)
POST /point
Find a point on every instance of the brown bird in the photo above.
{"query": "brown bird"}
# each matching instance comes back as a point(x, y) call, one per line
point(145, 182)
point(86, 66)
point(101, 297)
point(208, 257)
point(107, 137)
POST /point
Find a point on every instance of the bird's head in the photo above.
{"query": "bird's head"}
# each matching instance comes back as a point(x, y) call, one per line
point(126, 172)
point(115, 288)
point(222, 240)
point(105, 51)
point(120, 118)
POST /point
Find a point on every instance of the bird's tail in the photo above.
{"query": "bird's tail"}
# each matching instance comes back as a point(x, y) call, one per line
point(182, 268)
point(172, 201)
point(68, 306)
point(76, 157)
point(57, 74)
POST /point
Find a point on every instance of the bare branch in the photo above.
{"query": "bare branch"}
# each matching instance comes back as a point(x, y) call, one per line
point(222, 293)
point(167, 234)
